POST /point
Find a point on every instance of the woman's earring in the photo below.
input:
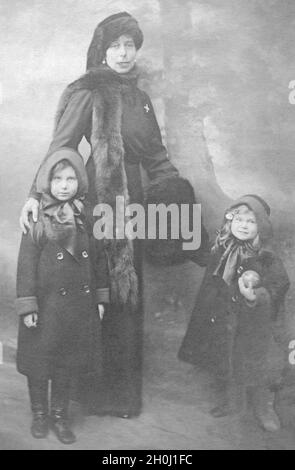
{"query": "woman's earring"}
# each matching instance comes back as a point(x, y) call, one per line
point(104, 61)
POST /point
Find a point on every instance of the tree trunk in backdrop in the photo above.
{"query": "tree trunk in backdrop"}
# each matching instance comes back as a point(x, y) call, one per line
point(184, 121)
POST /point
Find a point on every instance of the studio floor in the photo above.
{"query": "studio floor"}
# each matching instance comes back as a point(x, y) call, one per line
point(177, 398)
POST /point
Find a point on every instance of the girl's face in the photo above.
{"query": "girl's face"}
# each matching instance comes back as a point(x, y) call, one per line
point(244, 224)
point(121, 54)
point(64, 184)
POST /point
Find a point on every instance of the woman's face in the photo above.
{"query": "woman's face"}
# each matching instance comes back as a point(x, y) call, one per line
point(121, 54)
point(244, 224)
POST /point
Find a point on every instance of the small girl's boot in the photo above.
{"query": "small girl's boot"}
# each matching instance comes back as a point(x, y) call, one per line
point(59, 408)
point(38, 390)
point(263, 404)
point(60, 426)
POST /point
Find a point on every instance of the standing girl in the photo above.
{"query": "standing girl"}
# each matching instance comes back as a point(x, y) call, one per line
point(58, 289)
point(231, 329)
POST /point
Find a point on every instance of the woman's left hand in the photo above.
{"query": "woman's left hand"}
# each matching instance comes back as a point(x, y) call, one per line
point(247, 292)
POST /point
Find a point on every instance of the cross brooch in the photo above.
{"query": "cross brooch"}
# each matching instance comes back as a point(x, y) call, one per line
point(147, 108)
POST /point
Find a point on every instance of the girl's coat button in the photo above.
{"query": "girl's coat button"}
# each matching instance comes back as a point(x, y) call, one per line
point(86, 289)
point(62, 291)
point(60, 256)
point(85, 254)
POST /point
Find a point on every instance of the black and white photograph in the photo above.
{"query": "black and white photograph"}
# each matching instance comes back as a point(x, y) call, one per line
point(147, 243)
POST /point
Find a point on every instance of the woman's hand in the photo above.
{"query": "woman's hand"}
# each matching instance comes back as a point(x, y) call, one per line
point(31, 320)
point(101, 310)
point(30, 207)
point(247, 291)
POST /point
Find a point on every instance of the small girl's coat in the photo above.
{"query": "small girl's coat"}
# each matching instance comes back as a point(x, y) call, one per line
point(64, 289)
point(226, 335)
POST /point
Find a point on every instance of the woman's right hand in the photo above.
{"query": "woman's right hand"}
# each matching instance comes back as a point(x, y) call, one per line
point(30, 207)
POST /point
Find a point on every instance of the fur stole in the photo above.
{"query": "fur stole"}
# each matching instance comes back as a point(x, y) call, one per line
point(108, 154)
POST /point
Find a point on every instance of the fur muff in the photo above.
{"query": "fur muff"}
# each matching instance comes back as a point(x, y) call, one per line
point(111, 180)
point(173, 190)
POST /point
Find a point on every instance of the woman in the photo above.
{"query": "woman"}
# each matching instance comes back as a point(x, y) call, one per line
point(118, 121)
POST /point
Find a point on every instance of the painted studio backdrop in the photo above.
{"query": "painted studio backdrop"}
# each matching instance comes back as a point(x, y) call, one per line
point(218, 72)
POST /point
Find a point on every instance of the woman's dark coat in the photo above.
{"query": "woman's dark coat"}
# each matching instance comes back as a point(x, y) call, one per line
point(122, 326)
point(63, 288)
point(228, 337)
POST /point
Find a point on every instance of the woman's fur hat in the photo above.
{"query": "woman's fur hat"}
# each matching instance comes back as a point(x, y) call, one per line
point(107, 31)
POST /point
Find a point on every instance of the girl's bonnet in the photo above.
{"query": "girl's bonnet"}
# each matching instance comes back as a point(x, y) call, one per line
point(261, 210)
point(75, 160)
point(235, 250)
point(59, 220)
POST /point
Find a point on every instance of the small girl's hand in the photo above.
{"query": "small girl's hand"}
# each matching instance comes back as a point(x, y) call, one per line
point(31, 320)
point(101, 309)
point(247, 292)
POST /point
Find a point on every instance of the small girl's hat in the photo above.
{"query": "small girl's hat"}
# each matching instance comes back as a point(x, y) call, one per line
point(261, 210)
point(75, 160)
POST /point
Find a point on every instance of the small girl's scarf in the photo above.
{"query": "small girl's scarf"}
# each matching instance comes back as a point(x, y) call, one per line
point(235, 252)
point(61, 219)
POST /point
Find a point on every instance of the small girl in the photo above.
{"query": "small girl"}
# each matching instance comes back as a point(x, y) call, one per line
point(230, 331)
point(61, 290)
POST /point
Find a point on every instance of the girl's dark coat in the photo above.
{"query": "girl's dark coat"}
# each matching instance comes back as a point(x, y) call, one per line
point(65, 288)
point(228, 337)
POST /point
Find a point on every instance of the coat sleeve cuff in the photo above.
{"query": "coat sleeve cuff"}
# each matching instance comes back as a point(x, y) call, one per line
point(103, 295)
point(26, 305)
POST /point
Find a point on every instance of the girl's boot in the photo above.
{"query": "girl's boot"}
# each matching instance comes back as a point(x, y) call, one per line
point(38, 390)
point(263, 404)
point(60, 388)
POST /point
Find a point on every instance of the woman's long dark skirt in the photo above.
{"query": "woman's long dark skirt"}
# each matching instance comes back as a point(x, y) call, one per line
point(119, 390)
point(122, 333)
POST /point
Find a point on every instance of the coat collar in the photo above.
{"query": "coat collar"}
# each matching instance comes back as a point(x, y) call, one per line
point(104, 76)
